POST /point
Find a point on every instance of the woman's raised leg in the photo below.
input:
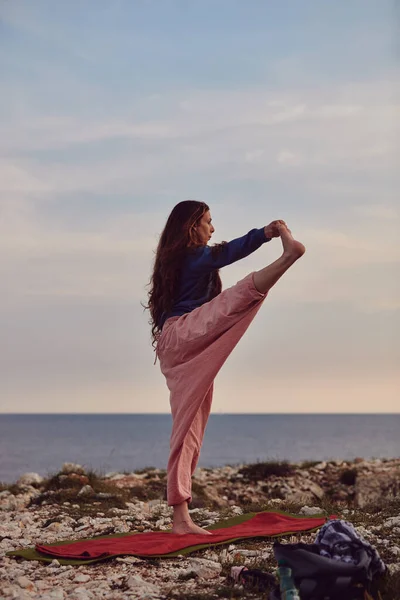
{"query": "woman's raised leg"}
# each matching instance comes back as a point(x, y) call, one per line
point(292, 251)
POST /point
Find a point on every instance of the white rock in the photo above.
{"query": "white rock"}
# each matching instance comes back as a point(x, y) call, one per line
point(393, 568)
point(57, 594)
point(147, 589)
point(316, 490)
point(320, 466)
point(86, 490)
point(54, 564)
point(53, 526)
point(19, 594)
point(81, 593)
point(207, 569)
point(200, 474)
point(26, 519)
point(236, 510)
point(29, 479)
point(396, 530)
point(311, 510)
point(72, 468)
point(225, 556)
point(42, 584)
point(114, 475)
point(362, 531)
point(129, 560)
point(244, 552)
point(392, 522)
point(8, 501)
point(82, 578)
point(24, 582)
point(208, 522)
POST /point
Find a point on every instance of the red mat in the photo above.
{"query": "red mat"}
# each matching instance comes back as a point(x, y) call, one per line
point(263, 524)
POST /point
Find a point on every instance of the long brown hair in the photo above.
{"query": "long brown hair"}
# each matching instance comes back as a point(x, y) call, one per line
point(178, 238)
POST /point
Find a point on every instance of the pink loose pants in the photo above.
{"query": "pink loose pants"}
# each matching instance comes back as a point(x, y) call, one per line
point(192, 349)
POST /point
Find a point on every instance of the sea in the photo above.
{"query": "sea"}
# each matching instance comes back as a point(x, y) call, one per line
point(105, 443)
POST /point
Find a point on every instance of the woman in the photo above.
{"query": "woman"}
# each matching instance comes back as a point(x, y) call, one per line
point(196, 326)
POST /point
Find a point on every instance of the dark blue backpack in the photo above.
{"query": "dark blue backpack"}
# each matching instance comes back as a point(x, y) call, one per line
point(320, 578)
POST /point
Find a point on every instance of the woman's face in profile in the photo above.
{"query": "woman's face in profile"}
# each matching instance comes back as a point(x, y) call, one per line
point(205, 228)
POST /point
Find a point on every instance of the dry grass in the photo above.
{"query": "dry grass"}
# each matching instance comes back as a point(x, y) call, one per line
point(262, 470)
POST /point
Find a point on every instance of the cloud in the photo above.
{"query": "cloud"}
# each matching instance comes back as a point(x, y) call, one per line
point(21, 177)
point(377, 211)
point(286, 157)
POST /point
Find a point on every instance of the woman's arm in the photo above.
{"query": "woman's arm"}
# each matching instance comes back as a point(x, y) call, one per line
point(204, 259)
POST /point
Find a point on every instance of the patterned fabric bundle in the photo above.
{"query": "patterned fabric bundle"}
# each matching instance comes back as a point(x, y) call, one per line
point(340, 541)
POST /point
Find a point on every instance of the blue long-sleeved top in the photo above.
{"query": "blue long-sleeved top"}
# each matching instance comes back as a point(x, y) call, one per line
point(198, 267)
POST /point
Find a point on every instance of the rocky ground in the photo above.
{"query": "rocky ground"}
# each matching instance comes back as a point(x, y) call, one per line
point(77, 503)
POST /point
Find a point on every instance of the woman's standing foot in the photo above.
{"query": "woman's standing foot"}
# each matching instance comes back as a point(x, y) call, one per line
point(184, 527)
point(182, 522)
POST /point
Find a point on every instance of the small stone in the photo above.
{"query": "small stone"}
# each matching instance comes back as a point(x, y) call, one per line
point(320, 466)
point(54, 564)
point(72, 468)
point(81, 593)
point(393, 568)
point(25, 583)
point(82, 578)
point(392, 522)
point(316, 490)
point(87, 490)
point(129, 560)
point(244, 552)
point(53, 526)
point(145, 588)
point(237, 510)
point(207, 569)
point(311, 510)
point(41, 584)
point(57, 594)
point(29, 479)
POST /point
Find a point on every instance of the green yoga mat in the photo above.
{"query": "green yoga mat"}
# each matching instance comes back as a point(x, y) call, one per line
point(32, 554)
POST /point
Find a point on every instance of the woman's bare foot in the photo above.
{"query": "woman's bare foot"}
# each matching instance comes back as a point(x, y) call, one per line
point(183, 527)
point(291, 247)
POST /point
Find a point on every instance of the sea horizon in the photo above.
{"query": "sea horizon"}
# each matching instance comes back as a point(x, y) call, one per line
point(115, 442)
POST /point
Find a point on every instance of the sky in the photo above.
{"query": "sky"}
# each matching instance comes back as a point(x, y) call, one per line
point(113, 112)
